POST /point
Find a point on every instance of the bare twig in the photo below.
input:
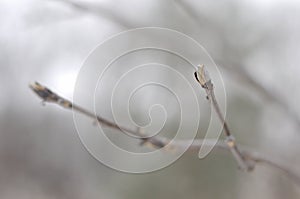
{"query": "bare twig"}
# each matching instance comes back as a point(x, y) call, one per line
point(202, 76)
point(159, 142)
point(48, 96)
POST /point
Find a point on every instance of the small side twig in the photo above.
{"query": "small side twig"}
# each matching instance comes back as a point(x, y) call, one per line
point(202, 76)
point(49, 96)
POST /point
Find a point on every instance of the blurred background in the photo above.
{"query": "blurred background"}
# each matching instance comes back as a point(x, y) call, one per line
point(254, 43)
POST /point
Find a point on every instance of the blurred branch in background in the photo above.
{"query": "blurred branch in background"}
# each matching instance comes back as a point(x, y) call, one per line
point(242, 75)
point(234, 69)
point(237, 70)
point(159, 142)
point(98, 10)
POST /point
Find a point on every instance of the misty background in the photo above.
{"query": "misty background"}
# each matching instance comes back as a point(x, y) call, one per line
point(254, 43)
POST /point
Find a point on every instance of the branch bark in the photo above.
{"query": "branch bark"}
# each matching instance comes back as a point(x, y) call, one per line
point(160, 142)
point(202, 76)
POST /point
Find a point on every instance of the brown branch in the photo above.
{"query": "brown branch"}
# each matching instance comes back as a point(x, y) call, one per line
point(49, 96)
point(203, 78)
point(159, 142)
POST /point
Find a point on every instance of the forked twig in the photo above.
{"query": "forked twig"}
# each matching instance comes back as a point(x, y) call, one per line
point(159, 142)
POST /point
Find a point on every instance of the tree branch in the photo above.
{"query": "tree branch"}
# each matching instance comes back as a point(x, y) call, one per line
point(202, 76)
point(159, 142)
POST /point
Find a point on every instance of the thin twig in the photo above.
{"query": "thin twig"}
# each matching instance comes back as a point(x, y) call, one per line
point(159, 142)
point(202, 76)
point(49, 96)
